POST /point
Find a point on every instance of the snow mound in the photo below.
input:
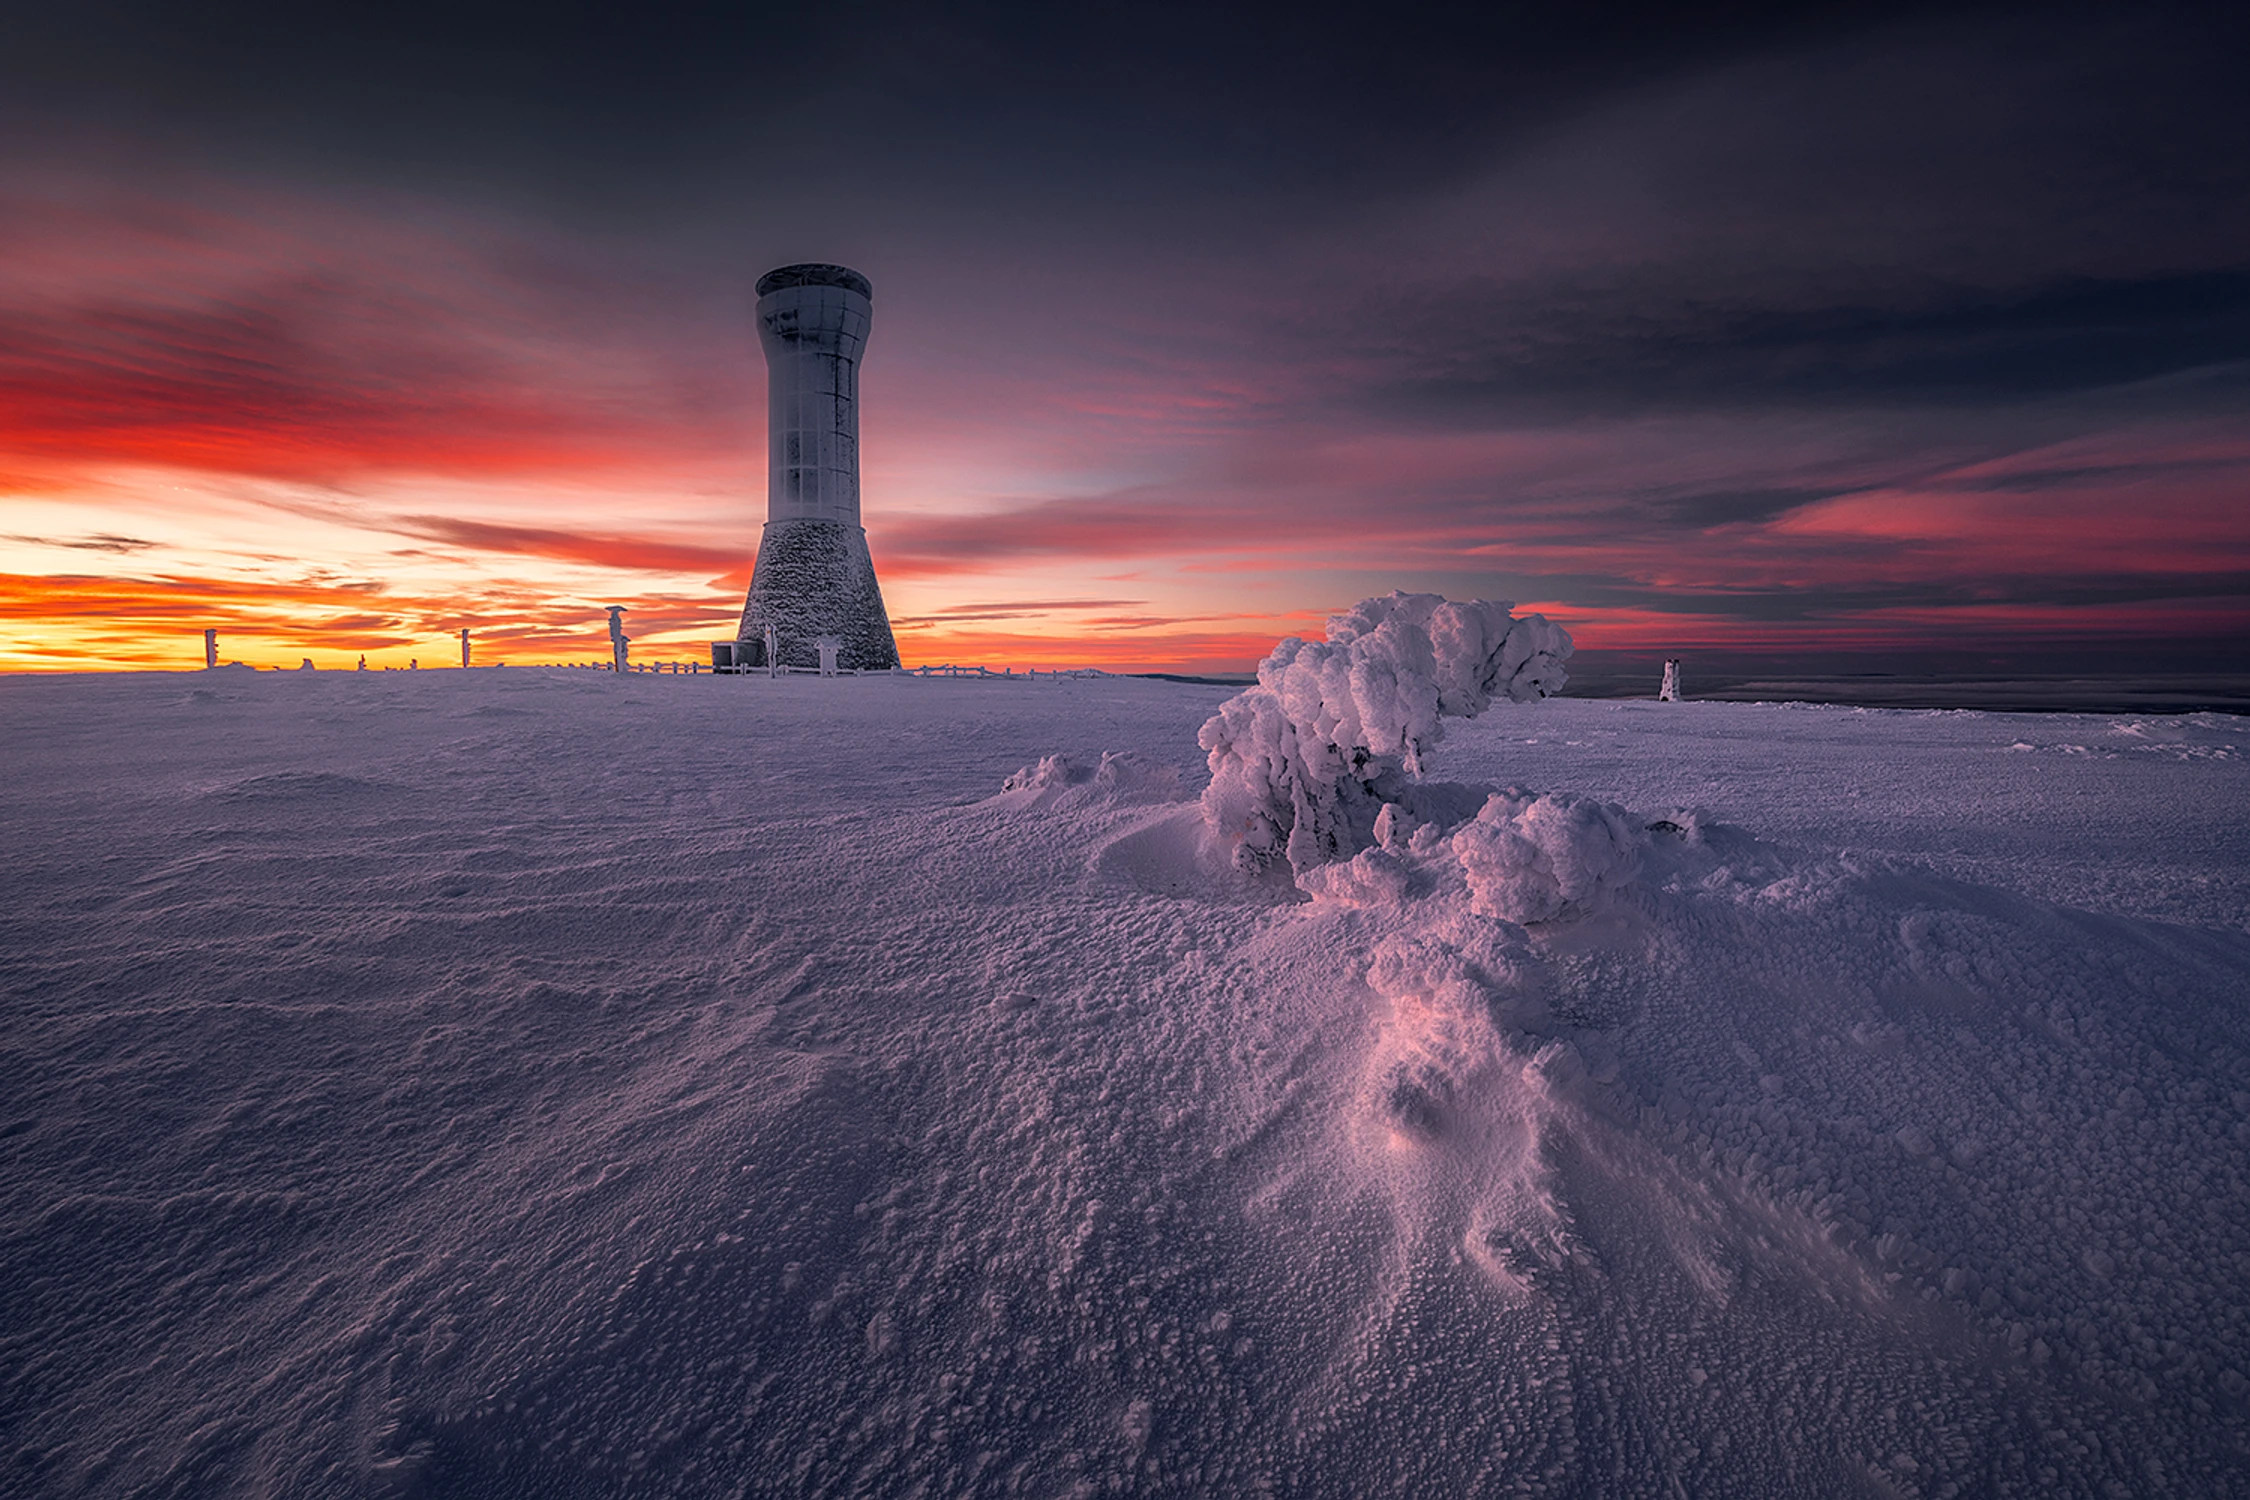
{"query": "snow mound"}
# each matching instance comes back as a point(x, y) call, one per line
point(1121, 777)
point(1302, 764)
point(1533, 859)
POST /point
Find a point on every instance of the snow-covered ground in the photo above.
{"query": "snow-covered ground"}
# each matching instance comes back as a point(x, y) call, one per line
point(548, 1083)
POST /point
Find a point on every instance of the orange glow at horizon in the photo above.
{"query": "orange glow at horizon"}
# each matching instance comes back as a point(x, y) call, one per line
point(107, 622)
point(290, 573)
point(326, 431)
point(113, 568)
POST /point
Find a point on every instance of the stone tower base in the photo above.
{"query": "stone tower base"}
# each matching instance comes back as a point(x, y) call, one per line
point(815, 578)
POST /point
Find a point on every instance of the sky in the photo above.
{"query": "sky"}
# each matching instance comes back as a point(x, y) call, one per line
point(1878, 333)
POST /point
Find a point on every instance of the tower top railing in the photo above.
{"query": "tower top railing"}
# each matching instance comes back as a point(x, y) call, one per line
point(815, 273)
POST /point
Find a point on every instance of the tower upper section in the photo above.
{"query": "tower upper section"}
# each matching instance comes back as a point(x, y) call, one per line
point(812, 321)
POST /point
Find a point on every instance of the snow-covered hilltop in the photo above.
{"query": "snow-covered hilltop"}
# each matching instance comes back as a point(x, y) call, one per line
point(551, 1083)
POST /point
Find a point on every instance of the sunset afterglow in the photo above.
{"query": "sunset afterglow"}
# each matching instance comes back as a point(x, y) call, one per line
point(341, 405)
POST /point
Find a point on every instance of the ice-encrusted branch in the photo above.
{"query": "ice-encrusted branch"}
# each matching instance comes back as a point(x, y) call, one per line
point(1302, 763)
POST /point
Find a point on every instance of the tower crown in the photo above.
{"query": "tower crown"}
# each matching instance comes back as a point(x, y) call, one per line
point(815, 273)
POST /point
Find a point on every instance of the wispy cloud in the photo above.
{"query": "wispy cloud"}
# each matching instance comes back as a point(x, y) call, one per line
point(603, 549)
point(95, 542)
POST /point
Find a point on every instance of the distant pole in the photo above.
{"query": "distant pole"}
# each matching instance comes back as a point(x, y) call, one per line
point(210, 649)
point(617, 638)
point(1670, 691)
point(464, 645)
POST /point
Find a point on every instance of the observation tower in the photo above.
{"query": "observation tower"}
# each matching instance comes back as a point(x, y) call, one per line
point(814, 576)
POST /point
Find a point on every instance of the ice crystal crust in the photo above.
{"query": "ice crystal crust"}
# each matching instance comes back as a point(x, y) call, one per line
point(492, 1083)
point(1302, 764)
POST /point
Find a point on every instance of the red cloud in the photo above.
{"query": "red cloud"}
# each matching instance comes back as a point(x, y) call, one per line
point(608, 550)
point(1110, 527)
point(303, 344)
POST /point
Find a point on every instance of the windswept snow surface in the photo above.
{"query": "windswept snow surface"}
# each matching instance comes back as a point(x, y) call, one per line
point(527, 1083)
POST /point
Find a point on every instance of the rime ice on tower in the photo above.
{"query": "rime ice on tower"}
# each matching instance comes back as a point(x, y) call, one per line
point(814, 576)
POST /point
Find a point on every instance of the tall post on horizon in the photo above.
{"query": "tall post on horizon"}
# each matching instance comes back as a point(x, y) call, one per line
point(464, 645)
point(210, 648)
point(618, 639)
point(814, 576)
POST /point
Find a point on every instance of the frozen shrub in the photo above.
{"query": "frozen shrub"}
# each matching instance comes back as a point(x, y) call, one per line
point(1302, 764)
